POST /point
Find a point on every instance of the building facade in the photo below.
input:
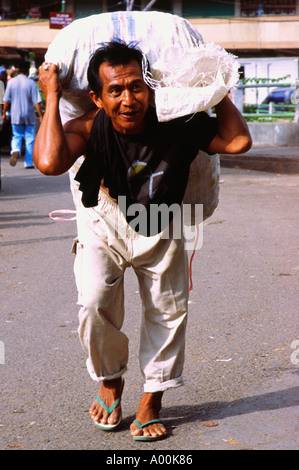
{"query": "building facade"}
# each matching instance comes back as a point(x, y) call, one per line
point(248, 29)
point(16, 9)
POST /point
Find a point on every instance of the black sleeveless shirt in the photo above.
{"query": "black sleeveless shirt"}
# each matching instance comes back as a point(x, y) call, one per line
point(147, 168)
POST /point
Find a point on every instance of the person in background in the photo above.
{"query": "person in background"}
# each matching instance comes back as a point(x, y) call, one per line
point(3, 75)
point(22, 97)
point(5, 127)
point(3, 79)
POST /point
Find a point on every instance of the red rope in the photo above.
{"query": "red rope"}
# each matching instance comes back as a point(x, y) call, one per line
point(191, 260)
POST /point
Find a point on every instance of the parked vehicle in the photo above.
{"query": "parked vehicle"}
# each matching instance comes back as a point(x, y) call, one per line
point(281, 97)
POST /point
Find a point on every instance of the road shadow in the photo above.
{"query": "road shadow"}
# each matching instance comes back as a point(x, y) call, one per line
point(30, 241)
point(177, 415)
point(286, 398)
point(21, 219)
point(32, 182)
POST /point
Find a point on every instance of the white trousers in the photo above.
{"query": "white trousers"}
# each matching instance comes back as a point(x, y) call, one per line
point(106, 246)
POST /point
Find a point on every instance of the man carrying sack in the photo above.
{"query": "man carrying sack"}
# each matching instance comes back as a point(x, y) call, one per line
point(129, 155)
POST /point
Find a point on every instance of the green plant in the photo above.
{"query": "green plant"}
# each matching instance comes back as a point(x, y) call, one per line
point(264, 81)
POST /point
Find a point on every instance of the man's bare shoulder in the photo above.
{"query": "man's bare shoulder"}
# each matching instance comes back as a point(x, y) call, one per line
point(81, 125)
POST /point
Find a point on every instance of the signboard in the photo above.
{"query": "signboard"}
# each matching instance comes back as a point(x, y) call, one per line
point(59, 20)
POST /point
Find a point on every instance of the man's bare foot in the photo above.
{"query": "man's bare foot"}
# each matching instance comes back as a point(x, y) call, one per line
point(109, 392)
point(149, 409)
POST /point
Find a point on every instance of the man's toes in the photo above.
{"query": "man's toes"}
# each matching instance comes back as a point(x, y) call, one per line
point(93, 410)
point(113, 418)
point(154, 430)
point(161, 429)
point(95, 417)
point(95, 414)
point(149, 432)
point(135, 430)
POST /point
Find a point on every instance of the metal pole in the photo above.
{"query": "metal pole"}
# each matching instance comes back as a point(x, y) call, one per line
point(295, 100)
point(129, 5)
point(237, 98)
point(149, 5)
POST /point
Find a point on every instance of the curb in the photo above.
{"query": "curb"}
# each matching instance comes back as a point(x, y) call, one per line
point(285, 160)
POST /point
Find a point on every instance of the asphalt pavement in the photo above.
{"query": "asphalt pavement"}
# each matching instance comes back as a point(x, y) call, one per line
point(241, 374)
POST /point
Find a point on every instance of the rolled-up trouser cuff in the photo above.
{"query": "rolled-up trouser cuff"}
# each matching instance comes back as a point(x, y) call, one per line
point(153, 386)
point(96, 378)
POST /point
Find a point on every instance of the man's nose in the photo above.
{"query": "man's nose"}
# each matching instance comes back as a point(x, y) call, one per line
point(127, 97)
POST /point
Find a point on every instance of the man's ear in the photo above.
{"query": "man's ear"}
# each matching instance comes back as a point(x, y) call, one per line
point(97, 101)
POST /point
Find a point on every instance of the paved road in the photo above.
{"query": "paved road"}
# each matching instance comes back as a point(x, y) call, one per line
point(242, 373)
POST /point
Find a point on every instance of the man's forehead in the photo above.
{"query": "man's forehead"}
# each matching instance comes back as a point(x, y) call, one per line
point(132, 70)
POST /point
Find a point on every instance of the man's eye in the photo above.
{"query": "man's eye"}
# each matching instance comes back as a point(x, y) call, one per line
point(136, 87)
point(115, 91)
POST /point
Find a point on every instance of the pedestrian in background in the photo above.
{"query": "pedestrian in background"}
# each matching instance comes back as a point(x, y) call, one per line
point(5, 127)
point(23, 97)
point(2, 91)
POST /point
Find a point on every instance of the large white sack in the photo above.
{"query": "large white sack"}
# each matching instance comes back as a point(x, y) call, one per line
point(73, 46)
point(188, 75)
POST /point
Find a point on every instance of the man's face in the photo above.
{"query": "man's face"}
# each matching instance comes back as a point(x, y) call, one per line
point(125, 96)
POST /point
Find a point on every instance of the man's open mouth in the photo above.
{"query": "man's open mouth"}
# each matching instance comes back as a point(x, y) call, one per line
point(129, 114)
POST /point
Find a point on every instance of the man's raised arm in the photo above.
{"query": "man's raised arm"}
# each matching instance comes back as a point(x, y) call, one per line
point(55, 150)
point(233, 134)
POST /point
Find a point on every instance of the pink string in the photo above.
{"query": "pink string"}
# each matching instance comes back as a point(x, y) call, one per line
point(63, 211)
point(191, 260)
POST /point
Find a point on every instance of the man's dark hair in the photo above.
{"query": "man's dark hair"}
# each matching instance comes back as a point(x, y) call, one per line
point(114, 53)
point(24, 67)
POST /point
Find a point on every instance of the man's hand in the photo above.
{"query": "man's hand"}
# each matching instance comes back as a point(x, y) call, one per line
point(48, 80)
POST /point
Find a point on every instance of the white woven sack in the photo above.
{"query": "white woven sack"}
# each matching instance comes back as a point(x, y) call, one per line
point(192, 79)
point(203, 187)
point(73, 46)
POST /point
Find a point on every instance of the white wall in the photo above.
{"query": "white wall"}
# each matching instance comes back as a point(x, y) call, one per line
point(268, 68)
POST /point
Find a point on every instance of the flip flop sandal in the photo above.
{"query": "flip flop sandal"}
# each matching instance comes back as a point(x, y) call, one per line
point(147, 438)
point(109, 409)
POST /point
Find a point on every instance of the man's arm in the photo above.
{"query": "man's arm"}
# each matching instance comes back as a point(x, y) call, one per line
point(233, 134)
point(6, 106)
point(38, 108)
point(55, 150)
